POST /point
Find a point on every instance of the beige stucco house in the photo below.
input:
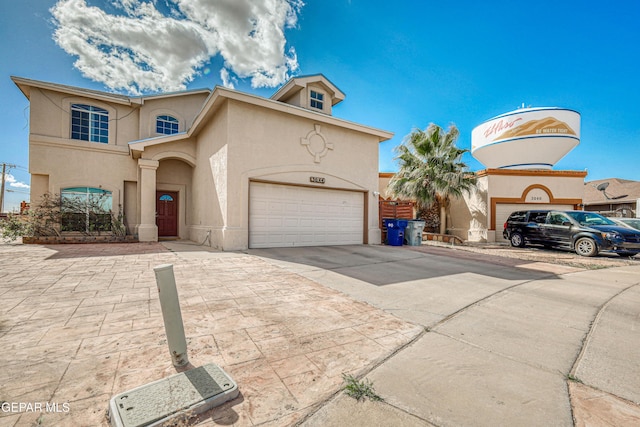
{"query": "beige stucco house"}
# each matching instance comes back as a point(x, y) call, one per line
point(226, 168)
point(519, 150)
point(479, 216)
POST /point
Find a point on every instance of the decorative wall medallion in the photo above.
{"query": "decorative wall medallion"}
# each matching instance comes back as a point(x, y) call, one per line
point(316, 144)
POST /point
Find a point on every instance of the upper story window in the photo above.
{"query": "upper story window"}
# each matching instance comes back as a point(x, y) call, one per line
point(166, 125)
point(89, 123)
point(317, 100)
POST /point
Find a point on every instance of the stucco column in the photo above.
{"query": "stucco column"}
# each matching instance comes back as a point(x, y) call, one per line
point(148, 230)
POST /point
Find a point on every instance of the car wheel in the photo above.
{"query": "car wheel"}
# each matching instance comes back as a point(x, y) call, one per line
point(586, 247)
point(629, 254)
point(517, 240)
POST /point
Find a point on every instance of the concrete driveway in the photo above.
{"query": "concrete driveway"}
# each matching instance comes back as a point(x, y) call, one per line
point(80, 324)
point(507, 341)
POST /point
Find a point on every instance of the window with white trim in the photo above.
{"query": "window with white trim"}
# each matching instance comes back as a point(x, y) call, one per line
point(89, 123)
point(166, 125)
point(317, 100)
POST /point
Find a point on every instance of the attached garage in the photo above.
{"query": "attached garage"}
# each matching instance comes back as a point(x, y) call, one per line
point(503, 210)
point(287, 215)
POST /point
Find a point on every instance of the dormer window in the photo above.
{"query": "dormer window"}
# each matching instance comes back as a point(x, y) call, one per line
point(166, 125)
point(315, 93)
point(317, 100)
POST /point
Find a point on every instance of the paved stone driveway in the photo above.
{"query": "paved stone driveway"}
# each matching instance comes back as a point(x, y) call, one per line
point(82, 323)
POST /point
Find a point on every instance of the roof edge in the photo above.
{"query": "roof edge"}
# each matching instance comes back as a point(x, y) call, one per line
point(300, 82)
point(220, 94)
point(25, 85)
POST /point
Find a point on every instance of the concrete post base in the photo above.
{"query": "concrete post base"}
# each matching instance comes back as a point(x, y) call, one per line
point(147, 233)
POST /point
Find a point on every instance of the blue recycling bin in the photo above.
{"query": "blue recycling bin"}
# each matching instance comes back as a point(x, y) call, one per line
point(395, 230)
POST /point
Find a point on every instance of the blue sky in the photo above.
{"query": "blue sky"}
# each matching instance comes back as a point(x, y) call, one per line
point(402, 64)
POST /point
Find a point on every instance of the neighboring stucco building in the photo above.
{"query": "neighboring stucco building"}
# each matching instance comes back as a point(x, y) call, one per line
point(480, 215)
point(223, 167)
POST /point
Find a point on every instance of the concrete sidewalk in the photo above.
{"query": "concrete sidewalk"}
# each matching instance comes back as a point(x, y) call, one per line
point(509, 342)
point(81, 323)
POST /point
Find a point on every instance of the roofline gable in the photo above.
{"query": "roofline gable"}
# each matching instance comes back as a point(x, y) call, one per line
point(222, 94)
point(25, 86)
point(217, 97)
point(296, 84)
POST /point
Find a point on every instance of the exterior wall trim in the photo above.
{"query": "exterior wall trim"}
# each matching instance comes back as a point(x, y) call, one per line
point(295, 184)
point(73, 144)
point(524, 172)
point(167, 155)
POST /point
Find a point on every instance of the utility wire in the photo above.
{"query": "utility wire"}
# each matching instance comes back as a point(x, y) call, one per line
point(133, 108)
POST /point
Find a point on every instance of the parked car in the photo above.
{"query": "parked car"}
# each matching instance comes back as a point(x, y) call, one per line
point(628, 222)
point(586, 233)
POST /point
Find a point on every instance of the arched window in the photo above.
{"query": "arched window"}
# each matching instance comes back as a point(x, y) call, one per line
point(89, 123)
point(86, 209)
point(166, 125)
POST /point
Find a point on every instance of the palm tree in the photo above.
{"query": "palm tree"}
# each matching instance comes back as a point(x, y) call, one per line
point(431, 169)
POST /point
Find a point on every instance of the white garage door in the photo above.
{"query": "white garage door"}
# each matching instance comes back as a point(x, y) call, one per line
point(504, 210)
point(284, 215)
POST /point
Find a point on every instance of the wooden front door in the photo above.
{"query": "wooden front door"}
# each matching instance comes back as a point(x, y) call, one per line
point(167, 213)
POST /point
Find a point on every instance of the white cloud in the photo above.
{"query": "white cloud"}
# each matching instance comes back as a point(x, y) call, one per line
point(11, 180)
point(227, 80)
point(143, 49)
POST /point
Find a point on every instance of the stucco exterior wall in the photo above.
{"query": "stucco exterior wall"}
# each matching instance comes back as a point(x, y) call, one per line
point(39, 186)
point(473, 217)
point(57, 162)
point(468, 215)
point(210, 177)
point(94, 165)
point(383, 184)
point(265, 145)
point(184, 108)
point(50, 117)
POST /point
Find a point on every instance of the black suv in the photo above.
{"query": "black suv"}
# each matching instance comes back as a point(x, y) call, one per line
point(586, 233)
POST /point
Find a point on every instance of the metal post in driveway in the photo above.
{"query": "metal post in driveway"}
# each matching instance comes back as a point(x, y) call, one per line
point(171, 314)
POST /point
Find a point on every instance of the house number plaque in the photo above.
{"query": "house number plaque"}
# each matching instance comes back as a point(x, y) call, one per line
point(316, 179)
